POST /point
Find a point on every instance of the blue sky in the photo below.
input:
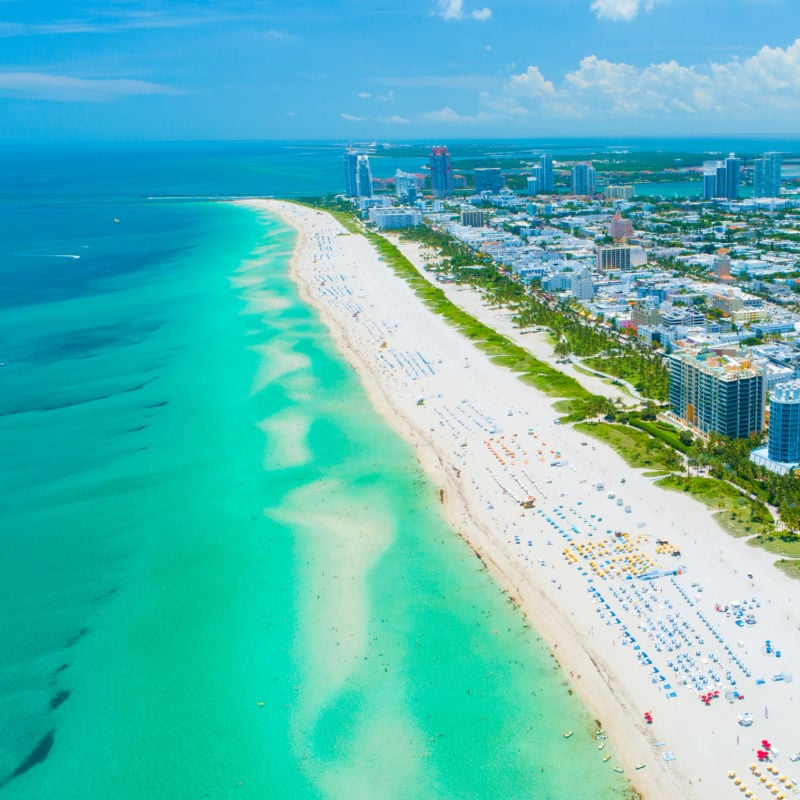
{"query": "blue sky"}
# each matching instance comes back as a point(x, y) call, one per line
point(134, 69)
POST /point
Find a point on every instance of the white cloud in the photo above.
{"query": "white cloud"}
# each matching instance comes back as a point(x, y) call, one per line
point(351, 118)
point(396, 119)
point(454, 9)
point(272, 33)
point(758, 89)
point(62, 88)
point(113, 21)
point(440, 81)
point(445, 114)
point(531, 83)
point(451, 9)
point(364, 95)
point(388, 97)
point(448, 115)
point(620, 10)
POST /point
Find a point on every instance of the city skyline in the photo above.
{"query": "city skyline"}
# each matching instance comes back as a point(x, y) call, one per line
point(431, 69)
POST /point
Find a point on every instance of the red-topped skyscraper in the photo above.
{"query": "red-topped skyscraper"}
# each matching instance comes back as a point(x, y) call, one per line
point(441, 172)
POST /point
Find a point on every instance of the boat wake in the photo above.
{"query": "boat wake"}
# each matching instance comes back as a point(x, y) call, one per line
point(47, 255)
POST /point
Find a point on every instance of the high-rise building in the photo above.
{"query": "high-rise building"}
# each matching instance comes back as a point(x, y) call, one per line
point(584, 179)
point(364, 176)
point(441, 172)
point(767, 175)
point(395, 218)
point(613, 257)
point(547, 186)
point(623, 192)
point(721, 178)
point(709, 181)
point(351, 173)
point(581, 286)
point(541, 179)
point(733, 172)
point(489, 179)
point(357, 174)
point(784, 423)
point(406, 185)
point(717, 393)
point(619, 229)
point(535, 181)
point(722, 264)
point(473, 217)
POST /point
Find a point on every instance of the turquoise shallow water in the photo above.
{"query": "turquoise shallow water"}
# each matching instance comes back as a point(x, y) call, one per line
point(221, 574)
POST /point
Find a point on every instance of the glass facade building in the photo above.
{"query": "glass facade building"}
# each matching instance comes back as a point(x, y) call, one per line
point(717, 393)
point(441, 172)
point(357, 174)
point(784, 423)
point(584, 179)
point(767, 175)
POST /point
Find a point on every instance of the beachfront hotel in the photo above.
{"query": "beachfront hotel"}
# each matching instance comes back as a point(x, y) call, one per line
point(784, 423)
point(782, 453)
point(717, 392)
point(395, 218)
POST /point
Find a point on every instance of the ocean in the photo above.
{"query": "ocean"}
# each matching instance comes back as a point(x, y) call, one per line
point(221, 574)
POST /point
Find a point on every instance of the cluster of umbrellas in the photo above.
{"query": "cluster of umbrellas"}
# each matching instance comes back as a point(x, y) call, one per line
point(648, 717)
point(707, 698)
point(763, 754)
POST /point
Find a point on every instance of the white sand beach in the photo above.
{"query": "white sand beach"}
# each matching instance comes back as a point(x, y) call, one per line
point(628, 646)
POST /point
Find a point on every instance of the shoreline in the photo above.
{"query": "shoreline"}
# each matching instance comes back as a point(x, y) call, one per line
point(556, 596)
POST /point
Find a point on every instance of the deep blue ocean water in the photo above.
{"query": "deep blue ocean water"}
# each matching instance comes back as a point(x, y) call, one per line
point(179, 447)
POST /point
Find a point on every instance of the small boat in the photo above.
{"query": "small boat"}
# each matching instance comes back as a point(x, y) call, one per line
point(568, 734)
point(116, 220)
point(606, 757)
point(601, 746)
point(618, 769)
point(641, 765)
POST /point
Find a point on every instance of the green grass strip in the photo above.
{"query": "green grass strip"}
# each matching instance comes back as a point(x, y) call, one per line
point(659, 432)
point(499, 348)
point(636, 447)
point(737, 514)
point(789, 566)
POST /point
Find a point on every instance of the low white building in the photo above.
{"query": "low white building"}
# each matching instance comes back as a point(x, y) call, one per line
point(395, 218)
